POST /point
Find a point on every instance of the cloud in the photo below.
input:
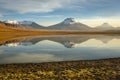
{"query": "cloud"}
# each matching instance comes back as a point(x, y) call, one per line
point(31, 6)
point(70, 7)
point(26, 6)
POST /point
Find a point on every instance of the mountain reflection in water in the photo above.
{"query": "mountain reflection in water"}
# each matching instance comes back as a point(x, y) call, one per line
point(67, 41)
point(59, 48)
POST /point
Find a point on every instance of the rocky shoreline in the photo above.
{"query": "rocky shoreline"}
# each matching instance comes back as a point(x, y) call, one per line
point(105, 69)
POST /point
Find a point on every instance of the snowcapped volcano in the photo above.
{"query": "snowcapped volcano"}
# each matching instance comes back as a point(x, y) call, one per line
point(69, 24)
point(69, 21)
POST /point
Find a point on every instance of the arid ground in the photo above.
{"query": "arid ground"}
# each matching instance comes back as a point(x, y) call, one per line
point(107, 69)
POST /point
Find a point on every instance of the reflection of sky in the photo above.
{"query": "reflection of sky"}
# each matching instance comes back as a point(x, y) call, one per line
point(46, 51)
point(97, 43)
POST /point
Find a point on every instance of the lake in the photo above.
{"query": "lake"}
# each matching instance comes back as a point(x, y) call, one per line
point(59, 48)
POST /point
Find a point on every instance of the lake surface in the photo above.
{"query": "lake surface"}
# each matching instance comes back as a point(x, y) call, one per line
point(59, 48)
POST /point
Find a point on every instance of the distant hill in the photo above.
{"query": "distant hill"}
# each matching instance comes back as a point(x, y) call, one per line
point(104, 26)
point(26, 24)
point(69, 24)
point(30, 24)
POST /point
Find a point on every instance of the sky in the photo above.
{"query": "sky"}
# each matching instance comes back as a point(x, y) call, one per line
point(49, 12)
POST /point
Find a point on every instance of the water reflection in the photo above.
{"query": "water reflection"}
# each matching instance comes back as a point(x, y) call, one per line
point(59, 48)
point(67, 41)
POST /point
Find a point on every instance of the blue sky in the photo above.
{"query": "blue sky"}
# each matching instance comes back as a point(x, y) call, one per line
point(46, 12)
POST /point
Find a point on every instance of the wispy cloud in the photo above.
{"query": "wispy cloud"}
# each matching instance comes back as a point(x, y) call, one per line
point(44, 6)
point(26, 6)
point(31, 6)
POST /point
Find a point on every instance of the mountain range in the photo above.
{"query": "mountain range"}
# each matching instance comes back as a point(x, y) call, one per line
point(67, 24)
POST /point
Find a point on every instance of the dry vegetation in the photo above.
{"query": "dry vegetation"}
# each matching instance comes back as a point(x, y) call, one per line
point(108, 69)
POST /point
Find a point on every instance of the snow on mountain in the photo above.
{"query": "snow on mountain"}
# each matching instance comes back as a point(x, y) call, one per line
point(12, 21)
point(25, 24)
point(18, 22)
point(69, 21)
point(69, 24)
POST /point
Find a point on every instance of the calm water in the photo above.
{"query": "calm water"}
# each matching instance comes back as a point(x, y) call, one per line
point(59, 48)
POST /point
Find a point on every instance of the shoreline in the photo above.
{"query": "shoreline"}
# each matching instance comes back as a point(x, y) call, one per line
point(103, 69)
point(70, 61)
